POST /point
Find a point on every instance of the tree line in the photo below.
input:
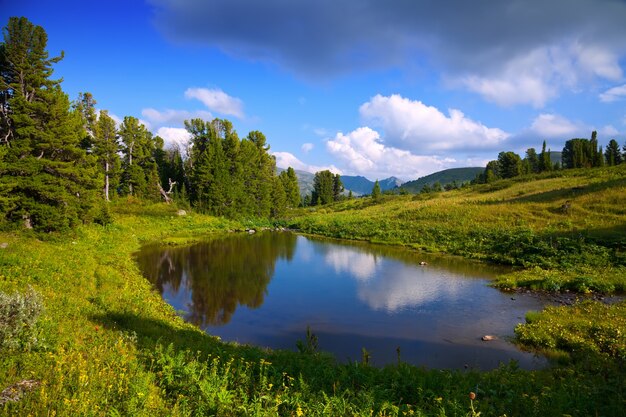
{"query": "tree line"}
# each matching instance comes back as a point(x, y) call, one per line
point(62, 161)
point(577, 153)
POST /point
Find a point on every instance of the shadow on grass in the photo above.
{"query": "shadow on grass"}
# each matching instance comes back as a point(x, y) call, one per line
point(561, 194)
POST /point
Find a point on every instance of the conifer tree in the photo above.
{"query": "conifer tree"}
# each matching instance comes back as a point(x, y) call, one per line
point(612, 154)
point(337, 187)
point(290, 184)
point(49, 183)
point(545, 164)
point(279, 198)
point(323, 188)
point(140, 176)
point(532, 161)
point(86, 107)
point(376, 191)
point(105, 147)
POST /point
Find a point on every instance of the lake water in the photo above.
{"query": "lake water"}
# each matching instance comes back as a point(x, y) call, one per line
point(265, 289)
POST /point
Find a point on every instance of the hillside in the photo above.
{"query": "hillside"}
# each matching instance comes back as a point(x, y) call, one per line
point(546, 221)
point(447, 176)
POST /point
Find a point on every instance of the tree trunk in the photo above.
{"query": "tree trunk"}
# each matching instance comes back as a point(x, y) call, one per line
point(106, 181)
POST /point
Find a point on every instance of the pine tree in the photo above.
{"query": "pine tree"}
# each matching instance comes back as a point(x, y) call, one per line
point(337, 187)
point(532, 161)
point(545, 164)
point(105, 147)
point(86, 107)
point(140, 176)
point(279, 198)
point(48, 182)
point(376, 191)
point(323, 188)
point(290, 184)
point(612, 153)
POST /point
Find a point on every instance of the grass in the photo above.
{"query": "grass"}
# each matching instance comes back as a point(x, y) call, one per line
point(565, 230)
point(108, 345)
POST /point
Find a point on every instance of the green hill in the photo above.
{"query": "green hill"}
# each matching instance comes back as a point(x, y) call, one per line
point(447, 176)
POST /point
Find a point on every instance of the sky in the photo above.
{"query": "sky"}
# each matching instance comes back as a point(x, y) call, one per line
point(361, 87)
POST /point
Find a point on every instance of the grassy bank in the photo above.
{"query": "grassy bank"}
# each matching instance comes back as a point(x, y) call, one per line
point(566, 229)
point(106, 344)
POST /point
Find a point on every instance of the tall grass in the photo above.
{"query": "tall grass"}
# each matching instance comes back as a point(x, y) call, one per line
point(572, 222)
point(109, 345)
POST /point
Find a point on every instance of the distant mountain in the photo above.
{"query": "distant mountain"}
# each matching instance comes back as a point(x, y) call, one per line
point(555, 157)
point(357, 184)
point(447, 176)
point(305, 180)
point(362, 186)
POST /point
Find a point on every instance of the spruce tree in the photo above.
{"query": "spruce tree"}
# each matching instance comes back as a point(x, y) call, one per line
point(279, 198)
point(545, 164)
point(376, 191)
point(105, 147)
point(324, 186)
point(612, 153)
point(290, 184)
point(86, 107)
point(140, 176)
point(49, 183)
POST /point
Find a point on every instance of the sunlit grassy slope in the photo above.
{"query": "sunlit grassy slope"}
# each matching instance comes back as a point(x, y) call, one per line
point(108, 345)
point(567, 228)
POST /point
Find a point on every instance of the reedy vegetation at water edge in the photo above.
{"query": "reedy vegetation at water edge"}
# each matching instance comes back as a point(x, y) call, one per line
point(111, 346)
point(566, 229)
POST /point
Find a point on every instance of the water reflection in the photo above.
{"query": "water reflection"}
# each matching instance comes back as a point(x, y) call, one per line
point(217, 275)
point(265, 290)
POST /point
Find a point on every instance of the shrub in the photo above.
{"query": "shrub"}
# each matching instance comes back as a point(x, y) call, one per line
point(18, 318)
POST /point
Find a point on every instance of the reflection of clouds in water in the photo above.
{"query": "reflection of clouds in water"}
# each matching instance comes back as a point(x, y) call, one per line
point(399, 286)
point(359, 264)
point(305, 250)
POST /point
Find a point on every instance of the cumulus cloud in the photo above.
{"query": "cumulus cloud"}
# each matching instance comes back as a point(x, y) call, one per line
point(307, 147)
point(217, 100)
point(286, 160)
point(363, 152)
point(170, 116)
point(174, 136)
point(419, 128)
point(614, 94)
point(554, 126)
point(475, 43)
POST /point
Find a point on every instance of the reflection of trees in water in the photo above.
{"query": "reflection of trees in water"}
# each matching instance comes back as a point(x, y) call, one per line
point(221, 274)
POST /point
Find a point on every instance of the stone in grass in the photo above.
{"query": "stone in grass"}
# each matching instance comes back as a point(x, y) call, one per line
point(16, 391)
point(3, 245)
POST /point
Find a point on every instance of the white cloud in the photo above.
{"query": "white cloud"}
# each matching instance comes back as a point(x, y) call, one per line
point(609, 130)
point(307, 147)
point(217, 100)
point(554, 126)
point(363, 152)
point(286, 159)
point(321, 132)
point(170, 116)
point(419, 128)
point(540, 75)
point(614, 94)
point(174, 136)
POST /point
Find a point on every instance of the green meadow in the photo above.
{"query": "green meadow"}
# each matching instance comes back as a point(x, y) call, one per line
point(106, 344)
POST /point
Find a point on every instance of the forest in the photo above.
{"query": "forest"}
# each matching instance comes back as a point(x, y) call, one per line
point(82, 332)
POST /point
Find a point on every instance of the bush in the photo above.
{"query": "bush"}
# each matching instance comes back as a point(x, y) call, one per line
point(18, 318)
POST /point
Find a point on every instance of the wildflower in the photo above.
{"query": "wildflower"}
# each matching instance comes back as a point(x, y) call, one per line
point(472, 396)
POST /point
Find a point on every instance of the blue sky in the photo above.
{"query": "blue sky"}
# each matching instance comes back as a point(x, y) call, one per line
point(363, 87)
